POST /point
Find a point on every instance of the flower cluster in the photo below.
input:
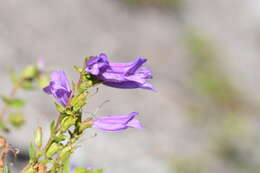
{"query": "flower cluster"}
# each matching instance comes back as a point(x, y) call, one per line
point(118, 75)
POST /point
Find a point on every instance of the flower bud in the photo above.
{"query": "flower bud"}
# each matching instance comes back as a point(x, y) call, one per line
point(67, 122)
point(54, 148)
point(38, 137)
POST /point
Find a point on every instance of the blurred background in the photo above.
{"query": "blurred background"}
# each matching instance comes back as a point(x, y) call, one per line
point(204, 55)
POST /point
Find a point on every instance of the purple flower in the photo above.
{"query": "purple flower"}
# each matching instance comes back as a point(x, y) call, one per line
point(59, 87)
point(117, 123)
point(120, 75)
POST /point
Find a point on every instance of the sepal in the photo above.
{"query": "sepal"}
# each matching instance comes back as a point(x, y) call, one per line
point(67, 122)
point(53, 149)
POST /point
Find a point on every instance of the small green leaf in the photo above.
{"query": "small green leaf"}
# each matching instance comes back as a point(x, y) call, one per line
point(67, 122)
point(30, 71)
point(66, 152)
point(3, 126)
point(16, 119)
point(27, 85)
point(73, 85)
point(8, 169)
point(66, 167)
point(79, 170)
point(43, 80)
point(53, 149)
point(38, 137)
point(59, 107)
point(30, 170)
point(52, 127)
point(78, 101)
point(59, 138)
point(77, 68)
point(13, 102)
point(32, 153)
point(84, 170)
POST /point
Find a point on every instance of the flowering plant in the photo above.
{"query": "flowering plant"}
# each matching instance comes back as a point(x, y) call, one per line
point(53, 157)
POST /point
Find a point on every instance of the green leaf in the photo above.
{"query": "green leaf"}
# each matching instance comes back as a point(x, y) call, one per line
point(27, 84)
point(73, 85)
point(30, 71)
point(67, 122)
point(38, 137)
point(32, 153)
point(8, 169)
point(3, 126)
point(16, 119)
point(66, 167)
point(13, 102)
point(53, 149)
point(78, 101)
point(43, 80)
point(30, 170)
point(79, 170)
point(66, 152)
point(59, 138)
point(59, 107)
point(52, 127)
point(84, 170)
point(77, 68)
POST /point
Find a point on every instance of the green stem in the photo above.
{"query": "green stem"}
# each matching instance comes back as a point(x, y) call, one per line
point(57, 163)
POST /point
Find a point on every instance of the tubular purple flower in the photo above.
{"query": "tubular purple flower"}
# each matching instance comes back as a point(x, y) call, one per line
point(117, 123)
point(120, 75)
point(59, 87)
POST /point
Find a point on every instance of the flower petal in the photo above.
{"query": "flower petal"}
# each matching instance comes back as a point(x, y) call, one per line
point(136, 65)
point(116, 123)
point(48, 89)
point(59, 87)
point(135, 124)
point(60, 79)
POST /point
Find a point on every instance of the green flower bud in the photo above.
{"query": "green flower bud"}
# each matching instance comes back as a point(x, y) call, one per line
point(67, 122)
point(53, 149)
point(38, 137)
